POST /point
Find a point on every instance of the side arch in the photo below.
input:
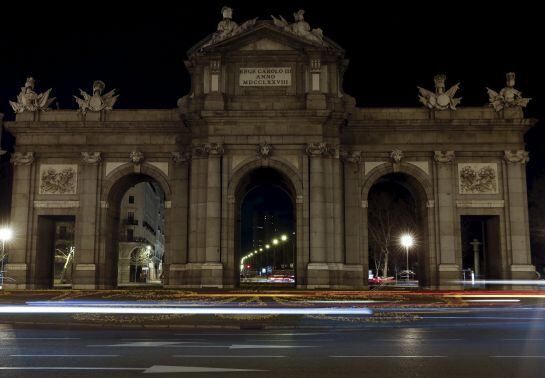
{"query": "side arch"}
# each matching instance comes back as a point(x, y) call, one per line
point(421, 188)
point(114, 186)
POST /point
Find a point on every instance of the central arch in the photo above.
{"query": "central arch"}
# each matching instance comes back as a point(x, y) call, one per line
point(265, 178)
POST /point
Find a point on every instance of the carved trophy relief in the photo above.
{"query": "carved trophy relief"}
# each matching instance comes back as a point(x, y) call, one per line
point(508, 96)
point(478, 178)
point(58, 178)
point(96, 102)
point(440, 99)
point(30, 101)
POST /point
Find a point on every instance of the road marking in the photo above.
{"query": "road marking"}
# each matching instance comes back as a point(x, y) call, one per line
point(153, 369)
point(245, 346)
point(517, 356)
point(40, 338)
point(388, 356)
point(288, 340)
point(416, 339)
point(64, 355)
point(221, 356)
point(149, 344)
point(481, 317)
point(523, 339)
point(252, 334)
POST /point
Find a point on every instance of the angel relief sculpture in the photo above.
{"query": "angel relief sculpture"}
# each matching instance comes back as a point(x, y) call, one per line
point(441, 99)
point(30, 101)
point(300, 27)
point(228, 28)
point(96, 102)
point(508, 96)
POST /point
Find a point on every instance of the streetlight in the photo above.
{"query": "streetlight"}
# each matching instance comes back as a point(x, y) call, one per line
point(407, 241)
point(5, 236)
point(284, 237)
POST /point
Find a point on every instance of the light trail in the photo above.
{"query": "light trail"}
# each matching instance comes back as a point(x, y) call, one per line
point(59, 309)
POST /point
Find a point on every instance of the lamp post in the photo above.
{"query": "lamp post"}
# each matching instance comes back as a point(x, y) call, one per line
point(407, 241)
point(5, 236)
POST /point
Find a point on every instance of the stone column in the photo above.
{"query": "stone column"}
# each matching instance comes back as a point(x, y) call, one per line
point(176, 256)
point(212, 274)
point(449, 257)
point(18, 267)
point(318, 271)
point(517, 210)
point(197, 215)
point(84, 276)
point(354, 212)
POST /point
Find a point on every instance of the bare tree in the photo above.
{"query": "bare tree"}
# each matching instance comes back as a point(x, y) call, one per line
point(389, 215)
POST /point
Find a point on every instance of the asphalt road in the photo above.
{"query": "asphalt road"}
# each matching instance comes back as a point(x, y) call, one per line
point(444, 343)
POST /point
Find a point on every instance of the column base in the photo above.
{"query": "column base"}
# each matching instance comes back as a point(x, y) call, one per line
point(212, 275)
point(449, 277)
point(347, 276)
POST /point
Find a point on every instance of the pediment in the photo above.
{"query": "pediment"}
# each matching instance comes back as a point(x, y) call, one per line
point(265, 44)
point(264, 36)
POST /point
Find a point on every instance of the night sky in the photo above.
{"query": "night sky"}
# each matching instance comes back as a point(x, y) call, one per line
point(139, 48)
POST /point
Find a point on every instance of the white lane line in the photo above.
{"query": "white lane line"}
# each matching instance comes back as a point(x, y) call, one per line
point(245, 346)
point(66, 368)
point(64, 355)
point(221, 356)
point(388, 356)
point(40, 338)
point(288, 340)
point(481, 317)
point(151, 369)
point(410, 339)
point(491, 300)
point(252, 334)
point(150, 344)
point(517, 356)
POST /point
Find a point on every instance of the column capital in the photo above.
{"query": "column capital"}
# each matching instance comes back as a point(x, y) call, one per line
point(179, 157)
point(91, 158)
point(353, 157)
point(206, 149)
point(444, 157)
point(22, 158)
point(513, 157)
point(316, 149)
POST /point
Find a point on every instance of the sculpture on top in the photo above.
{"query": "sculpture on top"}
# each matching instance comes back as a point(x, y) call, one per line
point(30, 101)
point(440, 99)
point(300, 27)
point(96, 102)
point(508, 96)
point(228, 28)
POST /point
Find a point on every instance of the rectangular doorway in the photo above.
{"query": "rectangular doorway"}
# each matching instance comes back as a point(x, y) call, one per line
point(481, 248)
point(55, 251)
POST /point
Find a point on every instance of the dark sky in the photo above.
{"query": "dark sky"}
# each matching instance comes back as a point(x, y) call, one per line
point(139, 48)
